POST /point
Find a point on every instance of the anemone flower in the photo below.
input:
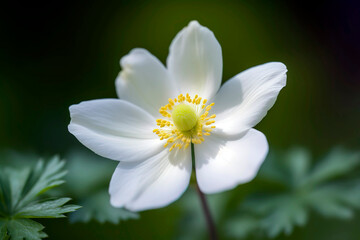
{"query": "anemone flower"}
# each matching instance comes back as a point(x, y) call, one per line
point(166, 115)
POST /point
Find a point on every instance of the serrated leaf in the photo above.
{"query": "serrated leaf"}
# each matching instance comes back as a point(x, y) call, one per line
point(48, 209)
point(42, 178)
point(19, 199)
point(272, 214)
point(350, 194)
point(11, 183)
point(290, 212)
point(19, 229)
point(335, 201)
point(97, 207)
point(338, 162)
point(325, 188)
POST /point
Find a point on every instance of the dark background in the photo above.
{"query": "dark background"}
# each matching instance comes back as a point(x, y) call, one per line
point(54, 54)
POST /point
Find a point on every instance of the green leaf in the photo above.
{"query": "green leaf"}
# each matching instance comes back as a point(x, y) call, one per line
point(11, 183)
point(97, 207)
point(337, 163)
point(290, 212)
point(19, 229)
point(3, 232)
point(297, 162)
point(48, 209)
point(42, 178)
point(325, 188)
point(335, 200)
point(20, 199)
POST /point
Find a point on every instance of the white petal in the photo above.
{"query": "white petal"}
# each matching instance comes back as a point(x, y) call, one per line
point(245, 99)
point(115, 129)
point(223, 164)
point(153, 183)
point(195, 61)
point(145, 81)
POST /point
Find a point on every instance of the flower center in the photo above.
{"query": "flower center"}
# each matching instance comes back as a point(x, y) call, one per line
point(185, 121)
point(184, 117)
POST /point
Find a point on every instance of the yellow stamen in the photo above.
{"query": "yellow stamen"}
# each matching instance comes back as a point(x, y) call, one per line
point(186, 121)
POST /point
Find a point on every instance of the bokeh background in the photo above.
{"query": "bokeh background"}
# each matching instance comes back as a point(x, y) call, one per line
point(57, 53)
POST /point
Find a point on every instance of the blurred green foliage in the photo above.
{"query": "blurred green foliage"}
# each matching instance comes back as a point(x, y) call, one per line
point(295, 188)
point(89, 176)
point(97, 207)
point(193, 217)
point(289, 185)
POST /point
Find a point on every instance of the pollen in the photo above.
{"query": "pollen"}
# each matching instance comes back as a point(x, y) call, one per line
point(185, 120)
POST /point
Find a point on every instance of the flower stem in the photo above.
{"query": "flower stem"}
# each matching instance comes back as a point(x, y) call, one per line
point(209, 220)
point(205, 206)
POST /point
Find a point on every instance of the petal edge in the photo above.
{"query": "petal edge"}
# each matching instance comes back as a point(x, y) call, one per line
point(223, 164)
point(195, 61)
point(114, 129)
point(245, 99)
point(154, 183)
point(144, 81)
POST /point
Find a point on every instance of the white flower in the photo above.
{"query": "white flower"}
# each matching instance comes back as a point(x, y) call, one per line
point(152, 145)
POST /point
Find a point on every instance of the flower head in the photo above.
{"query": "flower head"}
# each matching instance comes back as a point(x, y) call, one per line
point(162, 110)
